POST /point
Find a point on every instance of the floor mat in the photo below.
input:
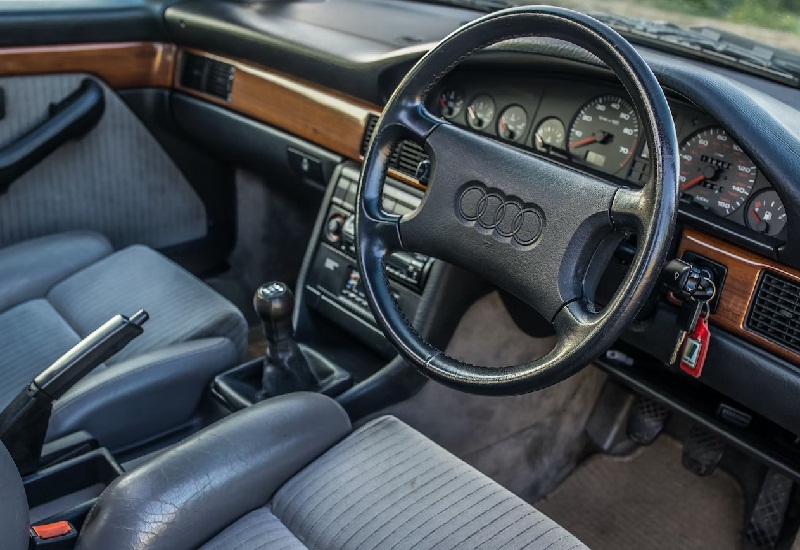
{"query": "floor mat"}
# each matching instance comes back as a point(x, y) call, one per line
point(649, 501)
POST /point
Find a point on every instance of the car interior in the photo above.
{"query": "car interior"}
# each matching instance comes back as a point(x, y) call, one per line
point(378, 274)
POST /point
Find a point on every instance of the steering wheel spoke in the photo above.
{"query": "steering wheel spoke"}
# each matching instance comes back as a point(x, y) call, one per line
point(631, 209)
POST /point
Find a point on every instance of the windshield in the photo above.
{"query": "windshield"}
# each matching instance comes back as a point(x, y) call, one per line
point(772, 22)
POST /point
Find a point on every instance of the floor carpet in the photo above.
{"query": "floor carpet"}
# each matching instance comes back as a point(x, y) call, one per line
point(648, 500)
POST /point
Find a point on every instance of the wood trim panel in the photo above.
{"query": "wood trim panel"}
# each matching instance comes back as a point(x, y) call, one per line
point(123, 65)
point(744, 269)
point(322, 116)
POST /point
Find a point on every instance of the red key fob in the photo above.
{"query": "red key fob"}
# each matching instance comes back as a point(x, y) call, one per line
point(695, 348)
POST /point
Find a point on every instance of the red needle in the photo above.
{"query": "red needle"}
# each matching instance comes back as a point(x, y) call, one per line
point(503, 125)
point(755, 215)
point(692, 183)
point(584, 141)
point(442, 102)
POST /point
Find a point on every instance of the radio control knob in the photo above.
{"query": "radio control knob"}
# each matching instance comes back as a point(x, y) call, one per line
point(333, 229)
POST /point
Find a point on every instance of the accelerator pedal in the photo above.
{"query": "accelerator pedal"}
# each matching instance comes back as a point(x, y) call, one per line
point(766, 522)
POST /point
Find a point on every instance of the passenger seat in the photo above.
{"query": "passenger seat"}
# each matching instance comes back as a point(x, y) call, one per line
point(55, 290)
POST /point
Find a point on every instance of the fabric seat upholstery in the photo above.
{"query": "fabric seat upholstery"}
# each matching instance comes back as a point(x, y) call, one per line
point(56, 290)
point(284, 475)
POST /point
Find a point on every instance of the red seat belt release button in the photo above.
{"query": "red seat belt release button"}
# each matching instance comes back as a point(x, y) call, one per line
point(695, 348)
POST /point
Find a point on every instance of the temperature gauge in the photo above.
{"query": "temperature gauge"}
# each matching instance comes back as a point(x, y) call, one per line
point(512, 123)
point(480, 112)
point(549, 135)
point(451, 103)
point(765, 213)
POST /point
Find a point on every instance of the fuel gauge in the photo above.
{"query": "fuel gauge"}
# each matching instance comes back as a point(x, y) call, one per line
point(512, 123)
point(549, 135)
point(480, 112)
point(766, 214)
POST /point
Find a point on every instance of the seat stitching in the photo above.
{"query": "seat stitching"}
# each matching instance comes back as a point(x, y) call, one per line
point(382, 498)
point(418, 527)
point(460, 515)
point(353, 490)
point(519, 534)
point(324, 473)
point(553, 528)
point(405, 496)
point(482, 527)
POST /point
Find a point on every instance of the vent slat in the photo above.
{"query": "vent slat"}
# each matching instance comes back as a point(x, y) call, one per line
point(775, 311)
point(406, 155)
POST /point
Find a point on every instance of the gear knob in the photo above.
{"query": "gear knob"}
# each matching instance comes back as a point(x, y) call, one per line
point(274, 304)
point(274, 301)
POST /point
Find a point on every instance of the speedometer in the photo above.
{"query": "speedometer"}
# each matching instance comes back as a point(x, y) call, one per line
point(715, 172)
point(604, 134)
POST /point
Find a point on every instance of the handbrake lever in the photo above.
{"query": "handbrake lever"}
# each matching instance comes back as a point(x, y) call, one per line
point(24, 422)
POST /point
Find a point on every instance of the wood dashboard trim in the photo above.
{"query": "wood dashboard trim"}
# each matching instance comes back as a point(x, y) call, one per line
point(119, 65)
point(744, 270)
point(320, 115)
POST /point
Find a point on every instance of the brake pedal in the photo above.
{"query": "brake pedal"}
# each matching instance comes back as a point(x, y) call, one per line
point(646, 420)
point(766, 522)
point(702, 451)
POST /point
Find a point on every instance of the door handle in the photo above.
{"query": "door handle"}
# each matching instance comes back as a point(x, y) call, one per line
point(69, 119)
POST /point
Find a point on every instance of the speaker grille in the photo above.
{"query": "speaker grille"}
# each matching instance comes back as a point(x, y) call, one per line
point(775, 310)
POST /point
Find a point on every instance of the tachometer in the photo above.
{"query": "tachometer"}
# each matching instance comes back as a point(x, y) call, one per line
point(604, 134)
point(715, 172)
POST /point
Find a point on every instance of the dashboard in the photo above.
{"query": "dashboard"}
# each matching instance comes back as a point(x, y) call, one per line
point(593, 126)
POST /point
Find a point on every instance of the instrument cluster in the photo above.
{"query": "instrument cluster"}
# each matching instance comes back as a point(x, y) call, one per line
point(595, 127)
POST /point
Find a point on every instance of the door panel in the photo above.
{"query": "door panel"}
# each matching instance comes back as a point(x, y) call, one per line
point(116, 180)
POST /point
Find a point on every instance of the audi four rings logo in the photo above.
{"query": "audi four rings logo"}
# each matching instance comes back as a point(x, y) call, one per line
point(506, 217)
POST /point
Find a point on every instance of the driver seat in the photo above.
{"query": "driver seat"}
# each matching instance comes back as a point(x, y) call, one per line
point(290, 474)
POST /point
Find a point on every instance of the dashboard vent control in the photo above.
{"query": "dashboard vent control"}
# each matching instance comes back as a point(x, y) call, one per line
point(206, 75)
point(406, 156)
point(775, 310)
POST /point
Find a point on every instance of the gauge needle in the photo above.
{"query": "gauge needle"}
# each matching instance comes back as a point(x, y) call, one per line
point(442, 102)
point(582, 142)
point(471, 112)
point(755, 215)
point(692, 183)
point(503, 126)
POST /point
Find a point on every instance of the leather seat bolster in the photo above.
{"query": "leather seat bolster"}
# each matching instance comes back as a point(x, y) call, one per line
point(187, 495)
point(29, 269)
point(142, 396)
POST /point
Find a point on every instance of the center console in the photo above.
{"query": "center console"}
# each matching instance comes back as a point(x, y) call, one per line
point(333, 286)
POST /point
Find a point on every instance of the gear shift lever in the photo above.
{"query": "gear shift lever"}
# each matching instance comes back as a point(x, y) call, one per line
point(285, 367)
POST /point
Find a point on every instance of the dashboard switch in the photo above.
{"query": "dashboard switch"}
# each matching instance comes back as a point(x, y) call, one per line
point(306, 166)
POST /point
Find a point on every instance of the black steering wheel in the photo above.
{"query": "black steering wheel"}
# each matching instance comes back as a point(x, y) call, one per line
point(546, 236)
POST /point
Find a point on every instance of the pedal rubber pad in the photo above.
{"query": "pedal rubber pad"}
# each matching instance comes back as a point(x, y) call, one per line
point(646, 420)
point(766, 522)
point(702, 451)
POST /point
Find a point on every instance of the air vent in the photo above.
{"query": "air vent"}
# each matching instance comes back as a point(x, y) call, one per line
point(207, 75)
point(406, 155)
point(775, 311)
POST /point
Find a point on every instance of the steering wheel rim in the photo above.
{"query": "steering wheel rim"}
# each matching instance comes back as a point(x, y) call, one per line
point(572, 216)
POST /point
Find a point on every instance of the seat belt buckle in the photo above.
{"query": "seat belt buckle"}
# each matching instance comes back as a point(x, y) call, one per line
point(60, 535)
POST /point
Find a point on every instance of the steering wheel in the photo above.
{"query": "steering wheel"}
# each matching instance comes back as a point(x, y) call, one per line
point(538, 229)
